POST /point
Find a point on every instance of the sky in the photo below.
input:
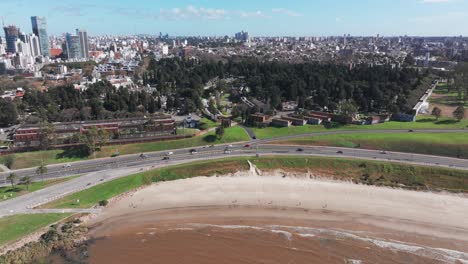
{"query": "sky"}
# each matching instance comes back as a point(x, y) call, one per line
point(259, 17)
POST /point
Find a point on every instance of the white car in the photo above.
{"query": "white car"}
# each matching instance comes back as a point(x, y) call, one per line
point(169, 153)
point(66, 166)
point(227, 152)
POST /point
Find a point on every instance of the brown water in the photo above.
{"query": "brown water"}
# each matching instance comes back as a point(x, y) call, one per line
point(195, 238)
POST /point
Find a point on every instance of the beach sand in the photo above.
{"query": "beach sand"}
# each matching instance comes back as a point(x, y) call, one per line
point(248, 218)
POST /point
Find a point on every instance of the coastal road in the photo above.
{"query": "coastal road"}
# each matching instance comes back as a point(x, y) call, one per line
point(95, 165)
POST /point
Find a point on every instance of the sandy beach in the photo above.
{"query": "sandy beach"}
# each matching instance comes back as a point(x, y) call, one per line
point(396, 225)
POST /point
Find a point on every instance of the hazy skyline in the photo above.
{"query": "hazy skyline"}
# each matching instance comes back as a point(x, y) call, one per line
point(259, 17)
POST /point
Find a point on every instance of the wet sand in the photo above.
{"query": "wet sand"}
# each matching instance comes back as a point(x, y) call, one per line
point(252, 219)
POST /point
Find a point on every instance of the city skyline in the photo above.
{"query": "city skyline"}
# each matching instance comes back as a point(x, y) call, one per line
point(259, 18)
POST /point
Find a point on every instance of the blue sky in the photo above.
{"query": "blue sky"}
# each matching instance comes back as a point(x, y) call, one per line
point(260, 17)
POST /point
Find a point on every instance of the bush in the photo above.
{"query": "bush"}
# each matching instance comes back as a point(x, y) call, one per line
point(103, 203)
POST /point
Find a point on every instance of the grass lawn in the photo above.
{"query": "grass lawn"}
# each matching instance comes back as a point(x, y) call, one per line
point(187, 131)
point(206, 123)
point(366, 172)
point(33, 159)
point(15, 227)
point(8, 192)
point(447, 96)
point(421, 123)
point(441, 144)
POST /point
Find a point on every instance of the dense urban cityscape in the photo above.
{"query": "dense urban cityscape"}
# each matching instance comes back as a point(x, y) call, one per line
point(359, 141)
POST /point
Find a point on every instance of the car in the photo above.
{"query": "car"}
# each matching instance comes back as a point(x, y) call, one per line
point(254, 137)
point(300, 150)
point(247, 146)
point(170, 153)
point(144, 156)
point(193, 151)
point(66, 166)
point(339, 152)
point(411, 130)
point(383, 152)
point(166, 158)
point(212, 146)
point(227, 151)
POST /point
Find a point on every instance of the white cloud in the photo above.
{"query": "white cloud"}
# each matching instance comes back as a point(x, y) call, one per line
point(193, 12)
point(286, 12)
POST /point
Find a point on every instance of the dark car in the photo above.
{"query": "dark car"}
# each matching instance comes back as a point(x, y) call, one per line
point(166, 158)
point(193, 151)
point(300, 150)
point(247, 146)
point(411, 130)
point(339, 152)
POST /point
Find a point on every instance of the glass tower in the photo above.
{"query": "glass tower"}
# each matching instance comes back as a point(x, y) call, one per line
point(73, 46)
point(39, 26)
point(11, 35)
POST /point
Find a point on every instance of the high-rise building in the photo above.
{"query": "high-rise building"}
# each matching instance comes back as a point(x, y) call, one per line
point(35, 46)
point(242, 36)
point(83, 35)
point(39, 26)
point(11, 35)
point(73, 46)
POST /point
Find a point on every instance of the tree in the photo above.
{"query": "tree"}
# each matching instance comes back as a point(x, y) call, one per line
point(348, 108)
point(220, 132)
point(26, 180)
point(41, 170)
point(89, 139)
point(47, 136)
point(8, 113)
point(9, 161)
point(459, 113)
point(12, 178)
point(436, 112)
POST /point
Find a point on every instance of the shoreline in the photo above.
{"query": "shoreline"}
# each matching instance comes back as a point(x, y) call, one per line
point(293, 198)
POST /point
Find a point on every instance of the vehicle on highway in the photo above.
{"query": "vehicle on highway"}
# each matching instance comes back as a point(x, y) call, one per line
point(339, 152)
point(227, 151)
point(166, 158)
point(169, 153)
point(212, 146)
point(254, 137)
point(144, 156)
point(411, 130)
point(383, 152)
point(231, 146)
point(300, 150)
point(4, 147)
point(193, 151)
point(247, 146)
point(66, 166)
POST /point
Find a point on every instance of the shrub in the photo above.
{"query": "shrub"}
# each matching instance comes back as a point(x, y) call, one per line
point(103, 203)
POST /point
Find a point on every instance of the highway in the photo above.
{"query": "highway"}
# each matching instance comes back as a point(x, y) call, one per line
point(100, 170)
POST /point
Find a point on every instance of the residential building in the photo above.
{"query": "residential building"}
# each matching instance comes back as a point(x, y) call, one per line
point(39, 27)
point(84, 44)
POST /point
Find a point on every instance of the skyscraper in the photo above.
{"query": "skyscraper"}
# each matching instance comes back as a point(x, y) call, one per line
point(39, 26)
point(35, 46)
point(83, 35)
point(73, 46)
point(11, 35)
